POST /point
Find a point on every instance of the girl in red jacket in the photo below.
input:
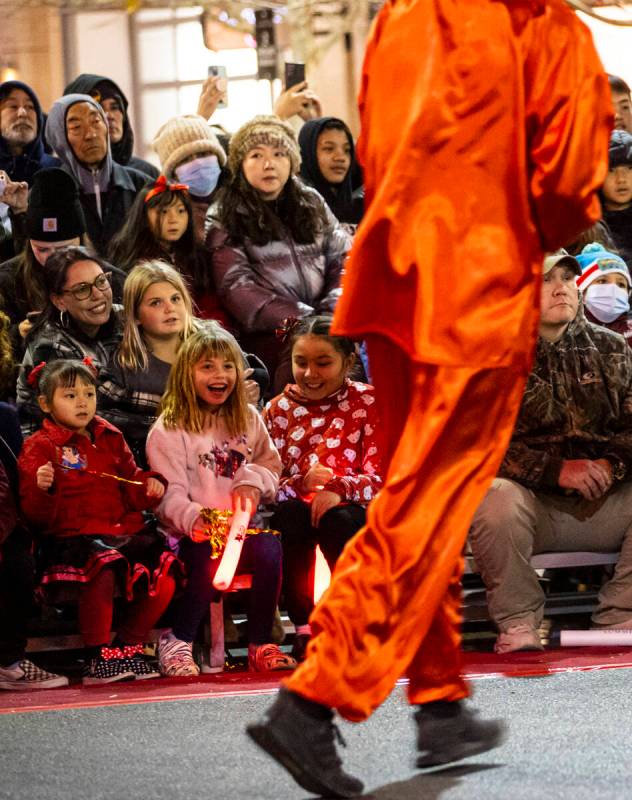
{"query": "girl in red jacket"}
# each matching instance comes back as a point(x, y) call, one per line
point(80, 486)
point(324, 427)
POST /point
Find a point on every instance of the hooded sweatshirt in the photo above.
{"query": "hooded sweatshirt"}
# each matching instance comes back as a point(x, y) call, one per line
point(346, 204)
point(204, 468)
point(106, 192)
point(34, 157)
point(122, 152)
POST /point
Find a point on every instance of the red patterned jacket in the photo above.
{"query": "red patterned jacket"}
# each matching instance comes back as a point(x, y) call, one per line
point(80, 502)
point(338, 431)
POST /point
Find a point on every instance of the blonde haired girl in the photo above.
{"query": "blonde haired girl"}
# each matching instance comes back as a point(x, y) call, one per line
point(158, 318)
point(215, 449)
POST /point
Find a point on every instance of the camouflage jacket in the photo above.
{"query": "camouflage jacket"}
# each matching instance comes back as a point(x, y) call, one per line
point(577, 404)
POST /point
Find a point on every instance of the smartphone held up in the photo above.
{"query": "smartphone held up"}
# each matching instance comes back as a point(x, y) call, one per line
point(294, 74)
point(219, 71)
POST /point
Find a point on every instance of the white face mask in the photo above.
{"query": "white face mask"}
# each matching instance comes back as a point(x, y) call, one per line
point(200, 175)
point(606, 301)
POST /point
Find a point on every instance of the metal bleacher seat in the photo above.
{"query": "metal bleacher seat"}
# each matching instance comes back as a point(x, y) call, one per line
point(580, 558)
point(215, 655)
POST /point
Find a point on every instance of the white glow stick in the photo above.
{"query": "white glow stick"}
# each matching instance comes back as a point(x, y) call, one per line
point(234, 542)
point(610, 637)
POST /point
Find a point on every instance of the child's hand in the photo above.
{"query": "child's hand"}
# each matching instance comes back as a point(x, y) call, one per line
point(45, 476)
point(154, 488)
point(321, 504)
point(253, 392)
point(316, 477)
point(198, 534)
point(246, 493)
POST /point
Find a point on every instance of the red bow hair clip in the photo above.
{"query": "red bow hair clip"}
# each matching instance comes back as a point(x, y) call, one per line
point(162, 185)
point(34, 374)
point(288, 326)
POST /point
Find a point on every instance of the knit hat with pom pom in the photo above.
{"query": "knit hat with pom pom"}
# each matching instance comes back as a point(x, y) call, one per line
point(596, 262)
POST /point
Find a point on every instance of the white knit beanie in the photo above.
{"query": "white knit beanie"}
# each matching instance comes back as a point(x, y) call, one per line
point(185, 136)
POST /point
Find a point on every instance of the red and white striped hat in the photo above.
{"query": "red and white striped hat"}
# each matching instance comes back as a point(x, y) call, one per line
point(596, 262)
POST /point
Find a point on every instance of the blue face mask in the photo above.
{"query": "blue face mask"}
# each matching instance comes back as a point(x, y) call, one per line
point(606, 301)
point(200, 175)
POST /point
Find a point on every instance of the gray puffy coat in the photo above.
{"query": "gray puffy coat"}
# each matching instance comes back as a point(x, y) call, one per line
point(262, 285)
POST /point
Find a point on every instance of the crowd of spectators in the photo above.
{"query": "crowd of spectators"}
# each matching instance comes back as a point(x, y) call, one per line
point(166, 353)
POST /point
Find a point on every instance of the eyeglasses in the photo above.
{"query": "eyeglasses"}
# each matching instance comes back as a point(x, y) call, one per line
point(82, 291)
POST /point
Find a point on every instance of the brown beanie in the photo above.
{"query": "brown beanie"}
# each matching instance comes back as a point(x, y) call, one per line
point(263, 129)
point(185, 136)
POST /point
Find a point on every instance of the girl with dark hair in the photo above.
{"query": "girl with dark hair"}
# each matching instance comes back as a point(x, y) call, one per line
point(325, 429)
point(80, 486)
point(160, 227)
point(328, 164)
point(78, 320)
point(277, 249)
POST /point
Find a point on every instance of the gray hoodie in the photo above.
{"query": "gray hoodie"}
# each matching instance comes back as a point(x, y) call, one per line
point(92, 181)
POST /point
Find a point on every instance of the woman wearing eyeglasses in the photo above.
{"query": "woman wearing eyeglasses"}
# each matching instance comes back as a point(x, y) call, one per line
point(78, 320)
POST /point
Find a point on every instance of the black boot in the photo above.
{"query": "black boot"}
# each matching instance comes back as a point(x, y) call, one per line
point(451, 731)
point(301, 736)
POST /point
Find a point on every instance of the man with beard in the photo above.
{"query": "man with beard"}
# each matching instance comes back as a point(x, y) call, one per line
point(22, 154)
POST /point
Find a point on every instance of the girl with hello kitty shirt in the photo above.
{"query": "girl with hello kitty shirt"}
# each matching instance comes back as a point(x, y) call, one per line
point(324, 427)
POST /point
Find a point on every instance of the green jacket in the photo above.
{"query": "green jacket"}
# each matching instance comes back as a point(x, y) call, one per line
point(577, 404)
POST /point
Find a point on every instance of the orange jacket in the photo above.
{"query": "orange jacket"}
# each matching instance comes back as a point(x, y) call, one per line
point(479, 155)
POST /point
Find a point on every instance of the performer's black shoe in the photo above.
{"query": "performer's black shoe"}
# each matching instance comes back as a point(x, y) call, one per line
point(448, 732)
point(301, 736)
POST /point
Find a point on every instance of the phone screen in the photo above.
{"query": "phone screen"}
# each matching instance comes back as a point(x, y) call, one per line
point(294, 73)
point(220, 71)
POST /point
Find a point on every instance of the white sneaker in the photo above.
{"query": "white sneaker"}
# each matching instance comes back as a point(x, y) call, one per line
point(175, 657)
point(521, 636)
point(26, 676)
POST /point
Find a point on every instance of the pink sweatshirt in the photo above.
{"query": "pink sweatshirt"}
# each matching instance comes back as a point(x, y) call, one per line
point(203, 468)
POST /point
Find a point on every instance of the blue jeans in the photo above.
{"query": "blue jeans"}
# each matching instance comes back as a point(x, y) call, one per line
point(261, 555)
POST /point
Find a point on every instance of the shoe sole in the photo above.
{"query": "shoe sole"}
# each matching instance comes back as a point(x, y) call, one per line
point(461, 751)
point(124, 676)
point(14, 686)
point(262, 736)
point(527, 648)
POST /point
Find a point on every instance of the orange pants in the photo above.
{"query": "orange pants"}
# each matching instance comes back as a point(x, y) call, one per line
point(394, 604)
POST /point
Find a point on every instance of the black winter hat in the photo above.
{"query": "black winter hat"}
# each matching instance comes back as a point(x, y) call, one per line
point(620, 150)
point(54, 212)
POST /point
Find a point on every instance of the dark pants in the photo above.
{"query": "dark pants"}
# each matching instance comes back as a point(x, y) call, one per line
point(261, 555)
point(96, 602)
point(299, 540)
point(17, 586)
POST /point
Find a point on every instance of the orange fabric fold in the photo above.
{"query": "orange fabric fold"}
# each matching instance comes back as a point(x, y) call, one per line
point(484, 138)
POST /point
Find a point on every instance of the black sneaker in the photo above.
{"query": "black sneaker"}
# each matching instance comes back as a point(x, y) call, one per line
point(142, 666)
point(451, 731)
point(301, 640)
point(305, 746)
point(108, 667)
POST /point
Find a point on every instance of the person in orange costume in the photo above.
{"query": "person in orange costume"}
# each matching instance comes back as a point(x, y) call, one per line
point(485, 130)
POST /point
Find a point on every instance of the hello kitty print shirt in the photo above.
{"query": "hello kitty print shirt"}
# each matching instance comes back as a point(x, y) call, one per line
point(338, 431)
